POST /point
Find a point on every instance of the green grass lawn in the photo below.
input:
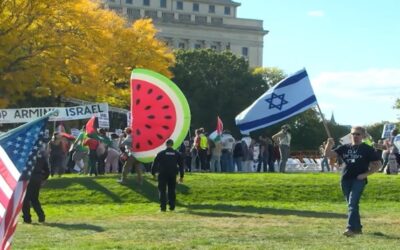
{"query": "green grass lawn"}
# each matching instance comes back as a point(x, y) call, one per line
point(214, 211)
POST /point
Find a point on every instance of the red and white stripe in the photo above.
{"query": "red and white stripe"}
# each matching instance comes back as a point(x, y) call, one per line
point(12, 192)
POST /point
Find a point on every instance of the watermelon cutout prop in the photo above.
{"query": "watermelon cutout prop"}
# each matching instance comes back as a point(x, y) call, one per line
point(159, 112)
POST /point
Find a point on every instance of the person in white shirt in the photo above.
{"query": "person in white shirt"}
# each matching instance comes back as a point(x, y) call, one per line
point(228, 143)
point(283, 138)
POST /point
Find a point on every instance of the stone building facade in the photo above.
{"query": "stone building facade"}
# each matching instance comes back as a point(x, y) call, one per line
point(195, 24)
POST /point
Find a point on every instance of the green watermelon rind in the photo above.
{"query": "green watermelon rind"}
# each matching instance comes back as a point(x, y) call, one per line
point(144, 74)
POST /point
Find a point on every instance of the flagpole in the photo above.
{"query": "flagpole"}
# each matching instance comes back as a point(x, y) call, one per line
point(324, 122)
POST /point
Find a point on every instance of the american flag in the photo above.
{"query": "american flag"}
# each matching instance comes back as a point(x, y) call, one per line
point(18, 150)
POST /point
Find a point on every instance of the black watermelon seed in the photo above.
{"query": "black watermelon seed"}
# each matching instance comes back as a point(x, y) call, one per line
point(147, 107)
point(165, 127)
point(138, 145)
point(137, 132)
point(137, 101)
point(151, 116)
point(160, 136)
point(165, 107)
point(150, 142)
point(159, 97)
point(149, 91)
point(168, 117)
point(147, 126)
point(138, 86)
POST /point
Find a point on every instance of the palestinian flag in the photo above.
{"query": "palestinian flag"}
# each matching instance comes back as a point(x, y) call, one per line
point(220, 126)
point(91, 127)
point(216, 135)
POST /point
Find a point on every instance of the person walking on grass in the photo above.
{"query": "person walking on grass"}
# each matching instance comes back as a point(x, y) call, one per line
point(166, 164)
point(360, 161)
point(125, 144)
point(40, 173)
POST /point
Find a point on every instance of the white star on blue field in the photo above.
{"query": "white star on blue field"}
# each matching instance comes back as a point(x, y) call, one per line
point(280, 98)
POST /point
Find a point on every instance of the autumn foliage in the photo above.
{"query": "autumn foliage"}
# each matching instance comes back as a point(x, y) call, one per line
point(73, 48)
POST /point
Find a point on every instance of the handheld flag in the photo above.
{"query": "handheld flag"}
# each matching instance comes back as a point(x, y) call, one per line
point(216, 135)
point(289, 97)
point(220, 126)
point(92, 125)
point(18, 149)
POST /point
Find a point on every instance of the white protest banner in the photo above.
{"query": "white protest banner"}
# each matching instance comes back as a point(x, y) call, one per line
point(75, 132)
point(387, 129)
point(104, 122)
point(23, 115)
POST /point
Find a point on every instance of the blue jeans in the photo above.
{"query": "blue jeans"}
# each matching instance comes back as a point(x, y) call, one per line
point(352, 190)
point(325, 164)
point(227, 161)
point(238, 162)
point(285, 154)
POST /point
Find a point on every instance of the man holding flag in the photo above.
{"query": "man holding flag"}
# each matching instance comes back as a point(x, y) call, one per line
point(18, 149)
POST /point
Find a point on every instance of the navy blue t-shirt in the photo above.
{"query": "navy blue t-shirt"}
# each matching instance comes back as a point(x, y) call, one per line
point(356, 159)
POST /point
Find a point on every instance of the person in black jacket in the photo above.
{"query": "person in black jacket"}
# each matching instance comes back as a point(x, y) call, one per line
point(40, 173)
point(166, 164)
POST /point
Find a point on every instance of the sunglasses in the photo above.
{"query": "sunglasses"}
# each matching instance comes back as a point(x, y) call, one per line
point(358, 134)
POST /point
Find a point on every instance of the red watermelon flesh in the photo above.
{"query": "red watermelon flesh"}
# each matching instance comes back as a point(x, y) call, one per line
point(154, 116)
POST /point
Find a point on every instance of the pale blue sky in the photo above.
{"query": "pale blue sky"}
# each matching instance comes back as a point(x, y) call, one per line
point(350, 48)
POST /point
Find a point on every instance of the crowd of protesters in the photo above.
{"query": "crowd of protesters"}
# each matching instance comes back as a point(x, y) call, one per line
point(228, 154)
point(92, 154)
point(102, 153)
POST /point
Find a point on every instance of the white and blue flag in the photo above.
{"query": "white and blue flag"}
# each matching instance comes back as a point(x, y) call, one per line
point(289, 97)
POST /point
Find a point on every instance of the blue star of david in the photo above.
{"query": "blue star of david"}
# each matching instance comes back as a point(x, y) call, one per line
point(280, 98)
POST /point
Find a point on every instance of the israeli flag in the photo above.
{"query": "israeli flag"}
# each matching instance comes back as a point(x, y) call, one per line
point(289, 97)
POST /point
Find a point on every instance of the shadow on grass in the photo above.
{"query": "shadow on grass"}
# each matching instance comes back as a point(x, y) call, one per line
point(87, 182)
point(260, 210)
point(149, 188)
point(385, 236)
point(81, 226)
point(219, 215)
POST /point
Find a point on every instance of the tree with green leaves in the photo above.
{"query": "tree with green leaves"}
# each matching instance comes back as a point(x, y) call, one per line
point(222, 84)
point(216, 84)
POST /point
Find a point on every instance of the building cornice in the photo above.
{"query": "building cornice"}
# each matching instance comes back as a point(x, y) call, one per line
point(223, 2)
point(191, 25)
